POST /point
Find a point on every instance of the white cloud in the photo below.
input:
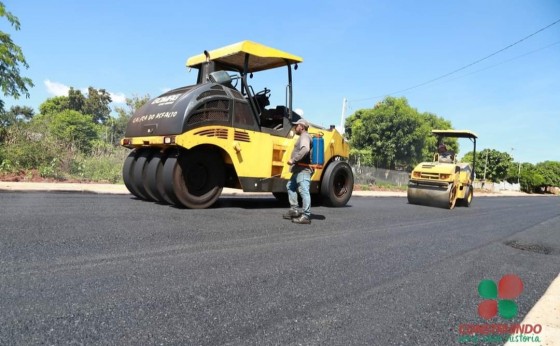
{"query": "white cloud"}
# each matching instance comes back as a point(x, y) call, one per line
point(59, 89)
point(56, 89)
point(118, 97)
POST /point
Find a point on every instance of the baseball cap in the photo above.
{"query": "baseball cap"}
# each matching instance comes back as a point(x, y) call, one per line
point(303, 122)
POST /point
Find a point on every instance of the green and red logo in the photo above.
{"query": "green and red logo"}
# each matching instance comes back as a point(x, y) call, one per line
point(499, 299)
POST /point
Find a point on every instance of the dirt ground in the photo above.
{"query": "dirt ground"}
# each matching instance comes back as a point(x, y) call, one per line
point(33, 176)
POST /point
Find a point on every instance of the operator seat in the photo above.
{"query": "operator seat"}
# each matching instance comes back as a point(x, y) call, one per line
point(446, 157)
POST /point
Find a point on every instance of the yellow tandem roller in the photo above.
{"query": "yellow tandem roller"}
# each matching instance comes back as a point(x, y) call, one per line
point(444, 182)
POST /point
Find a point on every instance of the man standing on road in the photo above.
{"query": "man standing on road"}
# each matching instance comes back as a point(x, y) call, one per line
point(301, 176)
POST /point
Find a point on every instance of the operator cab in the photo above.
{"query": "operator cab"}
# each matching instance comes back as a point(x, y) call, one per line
point(234, 67)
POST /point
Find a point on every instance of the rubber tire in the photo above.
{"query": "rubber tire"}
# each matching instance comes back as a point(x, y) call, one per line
point(195, 178)
point(139, 173)
point(128, 173)
point(154, 179)
point(466, 202)
point(169, 167)
point(337, 184)
point(452, 197)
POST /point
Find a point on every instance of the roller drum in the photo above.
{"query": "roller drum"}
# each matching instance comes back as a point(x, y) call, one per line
point(430, 195)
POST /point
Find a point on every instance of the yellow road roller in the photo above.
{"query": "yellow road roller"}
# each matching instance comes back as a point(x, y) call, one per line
point(444, 182)
point(191, 142)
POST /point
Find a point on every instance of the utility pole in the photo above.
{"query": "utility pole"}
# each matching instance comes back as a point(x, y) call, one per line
point(343, 116)
point(485, 164)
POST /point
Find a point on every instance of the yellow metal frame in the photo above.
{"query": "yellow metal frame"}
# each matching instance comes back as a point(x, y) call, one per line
point(262, 57)
point(253, 154)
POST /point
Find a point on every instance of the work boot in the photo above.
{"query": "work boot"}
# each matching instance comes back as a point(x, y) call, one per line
point(302, 220)
point(292, 213)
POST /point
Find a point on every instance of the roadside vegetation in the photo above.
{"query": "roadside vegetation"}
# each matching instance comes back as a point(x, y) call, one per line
point(73, 137)
point(395, 136)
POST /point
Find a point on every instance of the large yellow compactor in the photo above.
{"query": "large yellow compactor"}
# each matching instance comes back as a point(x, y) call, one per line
point(445, 182)
point(191, 142)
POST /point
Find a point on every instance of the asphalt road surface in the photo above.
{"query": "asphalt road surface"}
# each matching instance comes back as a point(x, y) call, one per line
point(99, 269)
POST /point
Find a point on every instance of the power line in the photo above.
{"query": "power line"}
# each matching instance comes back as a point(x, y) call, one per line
point(461, 68)
point(503, 62)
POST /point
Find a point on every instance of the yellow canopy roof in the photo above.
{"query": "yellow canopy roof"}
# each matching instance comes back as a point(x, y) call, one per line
point(261, 56)
point(455, 133)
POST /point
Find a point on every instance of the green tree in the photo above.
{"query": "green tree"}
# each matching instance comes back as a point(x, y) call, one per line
point(73, 127)
point(530, 178)
point(124, 114)
point(97, 105)
point(432, 121)
point(393, 131)
point(491, 164)
point(535, 178)
point(11, 57)
point(550, 170)
point(15, 115)
point(54, 105)
point(76, 100)
point(361, 157)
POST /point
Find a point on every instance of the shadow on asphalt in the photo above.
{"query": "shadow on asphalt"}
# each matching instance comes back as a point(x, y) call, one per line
point(257, 203)
point(245, 203)
point(249, 203)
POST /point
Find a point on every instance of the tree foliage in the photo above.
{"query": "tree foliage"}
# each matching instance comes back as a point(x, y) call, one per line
point(550, 170)
point(54, 105)
point(76, 100)
point(395, 134)
point(15, 115)
point(530, 179)
point(500, 167)
point(96, 104)
point(432, 121)
point(491, 165)
point(124, 114)
point(11, 57)
point(76, 118)
point(73, 127)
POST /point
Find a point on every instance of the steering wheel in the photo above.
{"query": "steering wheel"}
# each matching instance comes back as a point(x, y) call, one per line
point(265, 92)
point(262, 98)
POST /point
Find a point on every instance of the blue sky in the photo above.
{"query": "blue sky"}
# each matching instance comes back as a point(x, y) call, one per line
point(359, 50)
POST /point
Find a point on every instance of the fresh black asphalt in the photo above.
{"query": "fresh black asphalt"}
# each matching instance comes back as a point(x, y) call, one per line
point(100, 269)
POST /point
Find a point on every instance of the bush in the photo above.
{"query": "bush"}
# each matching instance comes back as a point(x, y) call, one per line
point(6, 166)
point(52, 170)
point(30, 147)
point(27, 147)
point(103, 165)
point(72, 127)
